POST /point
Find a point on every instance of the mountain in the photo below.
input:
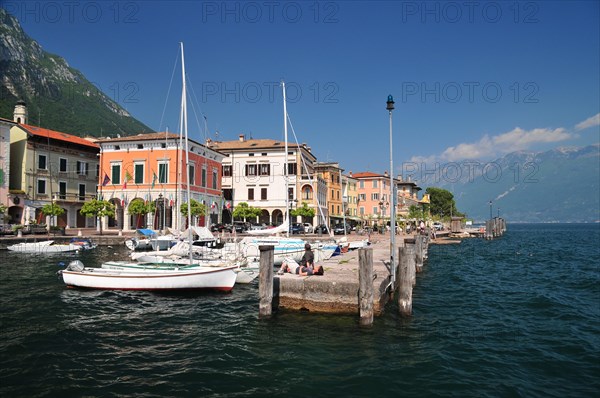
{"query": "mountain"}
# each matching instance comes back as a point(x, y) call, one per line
point(560, 185)
point(66, 100)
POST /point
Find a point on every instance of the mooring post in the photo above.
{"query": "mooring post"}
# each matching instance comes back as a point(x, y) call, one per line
point(419, 253)
point(265, 281)
point(365, 285)
point(405, 254)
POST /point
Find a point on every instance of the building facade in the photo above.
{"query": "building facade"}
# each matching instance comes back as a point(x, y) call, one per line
point(255, 172)
point(49, 166)
point(5, 126)
point(332, 174)
point(152, 168)
point(350, 198)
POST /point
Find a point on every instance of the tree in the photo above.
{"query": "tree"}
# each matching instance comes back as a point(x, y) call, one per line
point(415, 212)
point(198, 209)
point(242, 210)
point(139, 208)
point(98, 208)
point(442, 202)
point(305, 212)
point(52, 210)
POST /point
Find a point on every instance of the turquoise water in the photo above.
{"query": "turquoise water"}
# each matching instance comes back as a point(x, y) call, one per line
point(516, 316)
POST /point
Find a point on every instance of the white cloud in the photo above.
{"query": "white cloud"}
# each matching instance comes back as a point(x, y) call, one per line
point(491, 146)
point(589, 122)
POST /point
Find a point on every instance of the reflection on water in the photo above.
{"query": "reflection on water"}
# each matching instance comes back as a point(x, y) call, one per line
point(515, 316)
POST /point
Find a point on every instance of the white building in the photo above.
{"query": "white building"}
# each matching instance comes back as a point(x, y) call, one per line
point(253, 172)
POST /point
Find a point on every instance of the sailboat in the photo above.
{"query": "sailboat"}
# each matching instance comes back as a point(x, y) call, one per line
point(130, 276)
point(284, 247)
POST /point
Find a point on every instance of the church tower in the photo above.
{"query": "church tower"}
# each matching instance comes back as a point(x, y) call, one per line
point(20, 114)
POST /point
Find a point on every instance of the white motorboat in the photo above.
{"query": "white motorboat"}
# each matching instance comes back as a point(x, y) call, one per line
point(49, 246)
point(196, 278)
point(141, 241)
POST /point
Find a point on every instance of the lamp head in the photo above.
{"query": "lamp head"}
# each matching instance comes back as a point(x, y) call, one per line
point(390, 103)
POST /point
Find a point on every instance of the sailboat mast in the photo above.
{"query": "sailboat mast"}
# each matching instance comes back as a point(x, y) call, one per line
point(187, 153)
point(285, 167)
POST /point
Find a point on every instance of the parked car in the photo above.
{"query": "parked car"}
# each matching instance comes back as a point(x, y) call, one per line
point(221, 227)
point(320, 229)
point(257, 227)
point(438, 226)
point(338, 229)
point(240, 226)
point(308, 228)
point(297, 228)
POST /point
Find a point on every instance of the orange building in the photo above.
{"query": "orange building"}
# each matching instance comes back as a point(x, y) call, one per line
point(374, 202)
point(151, 168)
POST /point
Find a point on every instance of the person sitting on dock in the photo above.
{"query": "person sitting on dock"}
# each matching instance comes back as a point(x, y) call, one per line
point(308, 258)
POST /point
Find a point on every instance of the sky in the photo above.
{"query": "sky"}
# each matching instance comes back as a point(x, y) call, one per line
point(470, 79)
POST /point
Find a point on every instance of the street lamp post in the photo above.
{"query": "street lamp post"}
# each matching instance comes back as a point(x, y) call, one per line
point(390, 108)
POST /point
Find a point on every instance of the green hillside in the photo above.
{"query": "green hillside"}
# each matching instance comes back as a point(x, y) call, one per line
point(63, 98)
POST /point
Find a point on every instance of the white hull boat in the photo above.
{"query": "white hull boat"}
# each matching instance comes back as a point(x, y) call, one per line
point(48, 247)
point(196, 278)
point(244, 273)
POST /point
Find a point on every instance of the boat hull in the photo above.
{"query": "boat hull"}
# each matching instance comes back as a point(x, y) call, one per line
point(201, 278)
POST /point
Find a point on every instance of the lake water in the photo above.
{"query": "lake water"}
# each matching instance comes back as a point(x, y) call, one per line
point(516, 316)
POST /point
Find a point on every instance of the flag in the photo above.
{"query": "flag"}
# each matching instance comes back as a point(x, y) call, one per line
point(106, 180)
point(154, 178)
point(127, 178)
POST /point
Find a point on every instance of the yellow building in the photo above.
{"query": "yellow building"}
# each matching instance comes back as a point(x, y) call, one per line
point(332, 174)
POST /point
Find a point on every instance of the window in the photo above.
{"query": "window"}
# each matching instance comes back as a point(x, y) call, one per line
point(62, 165)
point(332, 194)
point(362, 211)
point(338, 195)
point(163, 172)
point(384, 185)
point(264, 169)
point(163, 145)
point(375, 210)
point(115, 174)
point(307, 193)
point(227, 171)
point(82, 168)
point(362, 196)
point(62, 190)
point(41, 186)
point(263, 154)
point(374, 196)
point(291, 193)
point(361, 184)
point(203, 176)
point(192, 174)
point(250, 193)
point(250, 154)
point(138, 170)
point(338, 209)
point(214, 179)
point(250, 169)
point(42, 164)
point(292, 169)
point(332, 209)
point(263, 193)
point(375, 184)
point(140, 146)
point(81, 191)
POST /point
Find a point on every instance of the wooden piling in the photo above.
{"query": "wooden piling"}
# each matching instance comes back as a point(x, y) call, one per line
point(265, 281)
point(365, 286)
point(406, 256)
point(418, 253)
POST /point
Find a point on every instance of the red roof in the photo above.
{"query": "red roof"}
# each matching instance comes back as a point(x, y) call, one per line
point(57, 135)
point(366, 174)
